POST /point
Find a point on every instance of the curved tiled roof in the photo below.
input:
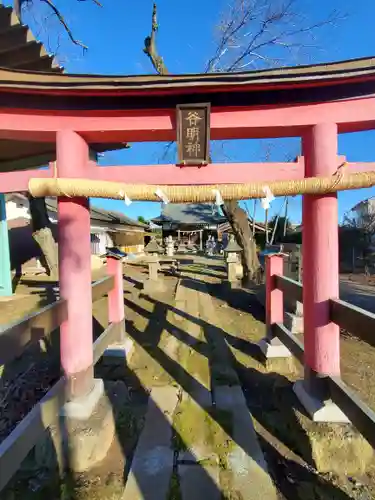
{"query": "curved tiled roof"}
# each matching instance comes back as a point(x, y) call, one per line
point(20, 53)
point(55, 92)
point(77, 83)
point(190, 213)
point(19, 49)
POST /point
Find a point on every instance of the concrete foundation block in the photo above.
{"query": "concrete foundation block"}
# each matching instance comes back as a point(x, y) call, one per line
point(89, 443)
point(78, 444)
point(82, 408)
point(273, 348)
point(119, 353)
point(235, 284)
point(319, 411)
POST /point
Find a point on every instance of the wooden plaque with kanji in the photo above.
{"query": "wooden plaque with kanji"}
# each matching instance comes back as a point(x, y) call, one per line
point(193, 134)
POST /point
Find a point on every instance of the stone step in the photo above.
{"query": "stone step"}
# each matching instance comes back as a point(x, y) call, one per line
point(250, 477)
point(152, 465)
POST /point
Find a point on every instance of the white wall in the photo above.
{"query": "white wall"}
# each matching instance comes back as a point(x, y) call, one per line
point(99, 242)
point(16, 208)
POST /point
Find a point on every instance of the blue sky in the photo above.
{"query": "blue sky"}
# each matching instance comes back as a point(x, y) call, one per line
point(115, 34)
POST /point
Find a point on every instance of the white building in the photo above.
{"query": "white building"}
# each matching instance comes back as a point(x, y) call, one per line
point(108, 229)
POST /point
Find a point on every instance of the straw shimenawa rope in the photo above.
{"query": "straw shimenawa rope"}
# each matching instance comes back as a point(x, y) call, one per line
point(198, 194)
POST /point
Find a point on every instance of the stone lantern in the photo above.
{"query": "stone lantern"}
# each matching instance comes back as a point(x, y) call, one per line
point(170, 246)
point(232, 251)
point(153, 250)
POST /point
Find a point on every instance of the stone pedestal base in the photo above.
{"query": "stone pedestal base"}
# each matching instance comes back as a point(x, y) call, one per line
point(232, 268)
point(232, 285)
point(239, 271)
point(320, 411)
point(76, 444)
point(82, 408)
point(273, 348)
point(119, 353)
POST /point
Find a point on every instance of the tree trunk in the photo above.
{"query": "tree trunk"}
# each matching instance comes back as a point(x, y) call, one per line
point(237, 217)
point(238, 220)
point(42, 234)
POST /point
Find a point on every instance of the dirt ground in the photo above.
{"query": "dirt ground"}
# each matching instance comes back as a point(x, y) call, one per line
point(288, 438)
point(361, 278)
point(286, 434)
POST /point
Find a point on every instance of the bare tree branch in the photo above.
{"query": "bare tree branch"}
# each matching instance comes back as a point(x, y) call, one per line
point(95, 1)
point(150, 46)
point(264, 33)
point(57, 13)
point(60, 17)
point(234, 213)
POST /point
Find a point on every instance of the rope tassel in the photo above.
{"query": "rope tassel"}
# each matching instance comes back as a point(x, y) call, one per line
point(198, 194)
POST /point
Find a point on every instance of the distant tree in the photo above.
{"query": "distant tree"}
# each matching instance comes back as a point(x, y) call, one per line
point(363, 221)
point(141, 219)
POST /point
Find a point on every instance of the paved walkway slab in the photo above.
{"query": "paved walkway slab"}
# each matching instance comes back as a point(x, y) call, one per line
point(250, 477)
point(152, 465)
point(199, 482)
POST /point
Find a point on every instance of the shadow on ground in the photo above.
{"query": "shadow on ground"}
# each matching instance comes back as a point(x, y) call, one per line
point(264, 392)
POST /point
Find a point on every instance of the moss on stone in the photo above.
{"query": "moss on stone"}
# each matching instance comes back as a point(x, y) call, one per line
point(174, 492)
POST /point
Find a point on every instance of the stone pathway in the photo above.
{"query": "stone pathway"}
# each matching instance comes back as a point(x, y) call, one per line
point(152, 463)
point(358, 294)
point(199, 440)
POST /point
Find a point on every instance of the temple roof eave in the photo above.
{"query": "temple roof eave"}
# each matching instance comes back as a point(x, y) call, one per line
point(50, 82)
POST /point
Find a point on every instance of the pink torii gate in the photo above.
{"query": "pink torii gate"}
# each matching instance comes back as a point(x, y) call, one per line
point(315, 103)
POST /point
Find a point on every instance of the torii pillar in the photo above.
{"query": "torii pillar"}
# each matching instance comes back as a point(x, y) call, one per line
point(320, 278)
point(76, 335)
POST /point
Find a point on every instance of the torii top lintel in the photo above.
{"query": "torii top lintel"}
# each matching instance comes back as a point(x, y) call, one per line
point(113, 109)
